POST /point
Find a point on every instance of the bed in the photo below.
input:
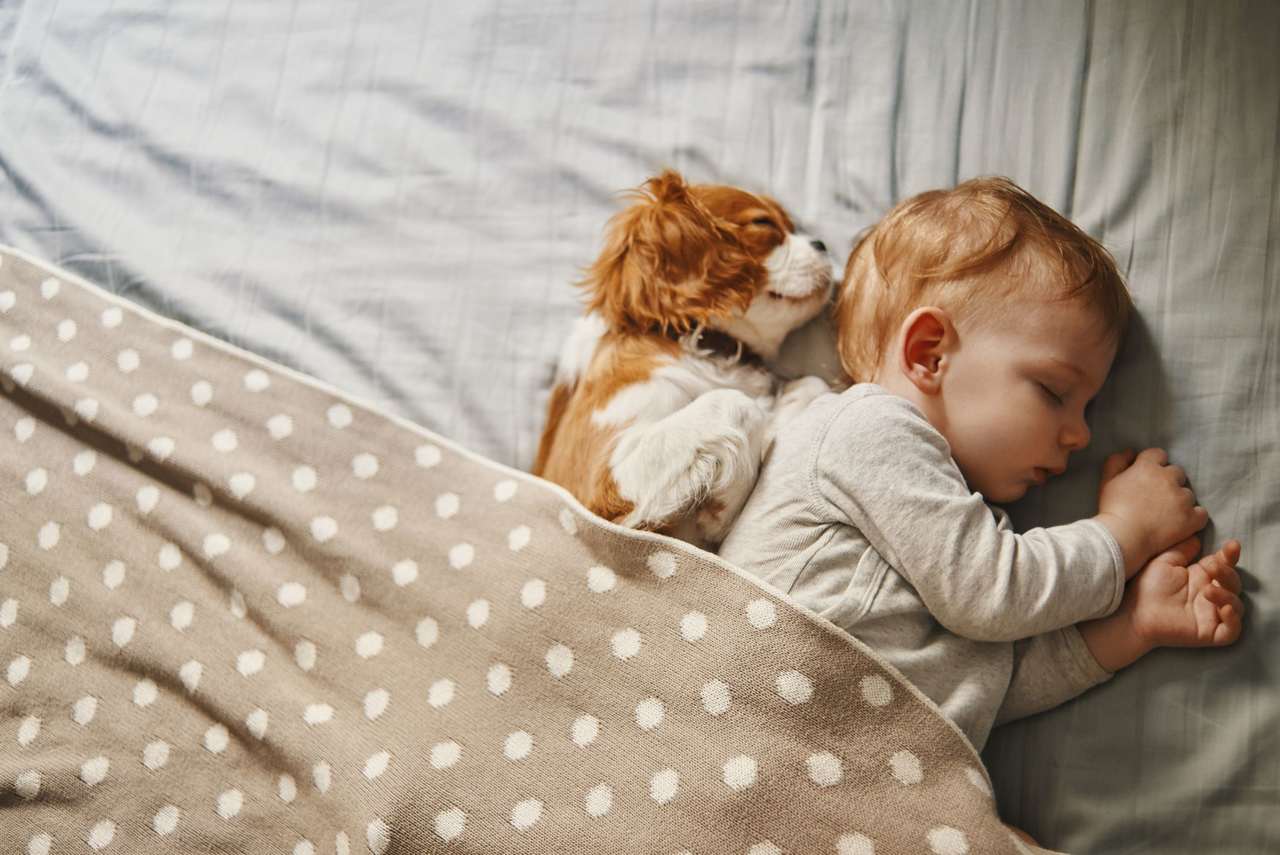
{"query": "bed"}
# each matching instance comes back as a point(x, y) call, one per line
point(395, 198)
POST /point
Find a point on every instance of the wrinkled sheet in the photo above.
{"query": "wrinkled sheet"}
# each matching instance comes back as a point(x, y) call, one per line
point(395, 197)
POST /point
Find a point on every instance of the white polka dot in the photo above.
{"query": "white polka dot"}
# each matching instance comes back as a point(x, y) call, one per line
point(161, 447)
point(450, 824)
point(112, 317)
point(794, 687)
point(978, 780)
point(324, 528)
point(518, 538)
point(250, 662)
point(84, 462)
point(350, 587)
point(122, 630)
point(378, 835)
point(256, 380)
point(426, 456)
point(946, 840)
point(145, 405)
point(279, 426)
point(318, 714)
point(181, 349)
point(364, 466)
point(375, 703)
point(155, 755)
point(49, 535)
point(304, 847)
point(503, 491)
point(664, 785)
point(216, 544)
point(478, 613)
point(715, 698)
point(101, 835)
point(190, 674)
point(169, 558)
point(385, 518)
point(287, 788)
point(518, 745)
point(241, 484)
point(854, 844)
point(599, 800)
point(693, 626)
point(585, 730)
point(339, 416)
point(9, 612)
point(202, 494)
point(764, 847)
point(113, 575)
point(94, 771)
point(19, 668)
point(127, 360)
point(24, 427)
point(37, 479)
point(28, 731)
point(533, 594)
point(404, 572)
point(445, 754)
point(559, 660)
point(59, 591)
point(906, 767)
point(600, 579)
point(291, 594)
point(100, 516)
point(145, 693)
point(369, 645)
point(322, 776)
point(39, 844)
point(7, 301)
point(427, 631)
point(216, 739)
point(229, 804)
point(526, 814)
point(66, 330)
point(147, 498)
point(4, 555)
point(27, 784)
point(825, 769)
point(166, 820)
point(225, 441)
point(876, 690)
point(236, 604)
point(75, 651)
point(567, 521)
point(19, 344)
point(376, 764)
point(78, 372)
point(257, 722)
point(181, 615)
point(201, 393)
point(498, 679)
point(83, 710)
point(273, 540)
point(625, 643)
point(447, 505)
point(761, 613)
point(740, 772)
point(649, 713)
point(662, 564)
point(21, 375)
point(440, 693)
point(461, 555)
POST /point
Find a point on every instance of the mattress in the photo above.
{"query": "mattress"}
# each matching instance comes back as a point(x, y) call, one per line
point(397, 197)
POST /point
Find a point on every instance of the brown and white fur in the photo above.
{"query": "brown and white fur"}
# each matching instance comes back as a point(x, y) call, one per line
point(663, 404)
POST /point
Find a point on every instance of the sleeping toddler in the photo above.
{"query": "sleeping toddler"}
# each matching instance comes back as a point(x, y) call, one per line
point(979, 323)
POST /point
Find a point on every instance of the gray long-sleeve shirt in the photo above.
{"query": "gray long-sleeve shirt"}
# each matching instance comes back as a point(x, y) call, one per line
point(862, 515)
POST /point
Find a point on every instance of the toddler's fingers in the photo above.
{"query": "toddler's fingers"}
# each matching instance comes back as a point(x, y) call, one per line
point(1116, 463)
point(1222, 599)
point(1157, 456)
point(1182, 553)
point(1221, 569)
point(1229, 626)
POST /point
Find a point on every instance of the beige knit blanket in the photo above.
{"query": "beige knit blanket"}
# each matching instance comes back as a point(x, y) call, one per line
point(240, 612)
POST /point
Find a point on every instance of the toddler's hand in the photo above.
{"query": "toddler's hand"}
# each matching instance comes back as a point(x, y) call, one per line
point(1174, 603)
point(1146, 505)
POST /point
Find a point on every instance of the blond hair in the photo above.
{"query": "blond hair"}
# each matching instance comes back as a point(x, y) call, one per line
point(971, 250)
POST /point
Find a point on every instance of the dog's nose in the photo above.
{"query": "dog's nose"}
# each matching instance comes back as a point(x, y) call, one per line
point(818, 245)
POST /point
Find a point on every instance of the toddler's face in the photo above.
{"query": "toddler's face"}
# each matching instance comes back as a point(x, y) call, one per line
point(1015, 395)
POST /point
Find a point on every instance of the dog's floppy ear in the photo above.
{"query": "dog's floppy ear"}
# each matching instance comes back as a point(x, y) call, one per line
point(669, 264)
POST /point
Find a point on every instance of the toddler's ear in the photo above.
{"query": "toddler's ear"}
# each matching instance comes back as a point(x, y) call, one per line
point(669, 263)
point(925, 338)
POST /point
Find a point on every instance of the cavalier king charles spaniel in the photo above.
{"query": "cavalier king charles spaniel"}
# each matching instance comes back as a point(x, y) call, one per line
point(663, 404)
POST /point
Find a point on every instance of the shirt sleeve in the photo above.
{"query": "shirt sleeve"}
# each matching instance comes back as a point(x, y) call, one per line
point(1049, 670)
point(881, 466)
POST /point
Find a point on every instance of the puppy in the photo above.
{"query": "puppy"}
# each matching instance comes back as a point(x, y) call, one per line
point(663, 404)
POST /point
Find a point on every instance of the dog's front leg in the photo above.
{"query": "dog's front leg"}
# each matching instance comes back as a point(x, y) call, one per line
point(702, 459)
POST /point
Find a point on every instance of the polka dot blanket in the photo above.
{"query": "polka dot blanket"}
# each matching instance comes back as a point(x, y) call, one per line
point(240, 612)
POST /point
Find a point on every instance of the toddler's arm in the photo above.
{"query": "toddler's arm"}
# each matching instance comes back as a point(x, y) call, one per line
point(882, 468)
point(1049, 669)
